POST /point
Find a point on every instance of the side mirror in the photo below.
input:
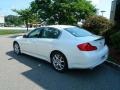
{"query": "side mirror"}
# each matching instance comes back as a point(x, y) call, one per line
point(25, 36)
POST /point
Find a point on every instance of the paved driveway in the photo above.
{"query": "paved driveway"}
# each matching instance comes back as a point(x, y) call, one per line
point(28, 73)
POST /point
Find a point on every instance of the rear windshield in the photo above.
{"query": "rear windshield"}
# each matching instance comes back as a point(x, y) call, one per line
point(78, 32)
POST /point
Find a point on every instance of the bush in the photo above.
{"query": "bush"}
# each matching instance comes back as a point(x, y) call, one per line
point(115, 40)
point(97, 24)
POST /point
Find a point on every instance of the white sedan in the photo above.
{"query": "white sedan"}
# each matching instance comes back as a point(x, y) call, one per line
point(64, 46)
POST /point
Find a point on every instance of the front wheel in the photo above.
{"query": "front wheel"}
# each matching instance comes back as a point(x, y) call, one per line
point(59, 62)
point(16, 48)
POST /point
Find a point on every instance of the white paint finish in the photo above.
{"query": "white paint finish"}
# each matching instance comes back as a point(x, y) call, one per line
point(67, 44)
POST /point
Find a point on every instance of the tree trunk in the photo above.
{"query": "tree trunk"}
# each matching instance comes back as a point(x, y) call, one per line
point(27, 25)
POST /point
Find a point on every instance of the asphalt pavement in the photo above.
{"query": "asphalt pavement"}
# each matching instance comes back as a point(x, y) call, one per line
point(28, 73)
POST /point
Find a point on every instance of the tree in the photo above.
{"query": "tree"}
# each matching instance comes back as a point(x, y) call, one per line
point(26, 15)
point(62, 11)
point(42, 9)
point(13, 20)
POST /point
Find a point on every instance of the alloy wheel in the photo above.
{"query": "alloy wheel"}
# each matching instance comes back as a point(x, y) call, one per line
point(59, 62)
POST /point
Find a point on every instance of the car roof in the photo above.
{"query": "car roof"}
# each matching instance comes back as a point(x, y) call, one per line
point(60, 26)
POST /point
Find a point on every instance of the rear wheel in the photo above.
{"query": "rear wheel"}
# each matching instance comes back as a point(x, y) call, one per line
point(59, 62)
point(16, 48)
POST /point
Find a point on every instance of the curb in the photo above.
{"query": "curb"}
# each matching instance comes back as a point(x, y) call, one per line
point(112, 64)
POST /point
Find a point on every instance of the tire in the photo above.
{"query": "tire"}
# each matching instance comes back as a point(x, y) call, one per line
point(59, 62)
point(16, 48)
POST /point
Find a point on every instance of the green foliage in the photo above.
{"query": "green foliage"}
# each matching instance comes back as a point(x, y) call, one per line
point(13, 20)
point(24, 14)
point(97, 24)
point(115, 40)
point(27, 16)
point(62, 11)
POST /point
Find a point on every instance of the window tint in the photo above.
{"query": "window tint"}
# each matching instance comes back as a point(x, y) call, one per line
point(50, 33)
point(34, 34)
point(78, 32)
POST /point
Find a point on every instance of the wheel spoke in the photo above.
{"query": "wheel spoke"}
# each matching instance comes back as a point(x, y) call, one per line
point(61, 66)
point(16, 49)
point(58, 62)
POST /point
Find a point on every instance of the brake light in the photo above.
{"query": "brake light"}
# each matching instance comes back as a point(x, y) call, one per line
point(86, 47)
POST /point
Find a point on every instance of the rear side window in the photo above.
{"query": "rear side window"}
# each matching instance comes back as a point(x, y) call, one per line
point(50, 33)
point(78, 32)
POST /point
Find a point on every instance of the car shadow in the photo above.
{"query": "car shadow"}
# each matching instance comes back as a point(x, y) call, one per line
point(43, 74)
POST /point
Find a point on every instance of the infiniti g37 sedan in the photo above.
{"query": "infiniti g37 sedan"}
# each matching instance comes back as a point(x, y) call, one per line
point(64, 46)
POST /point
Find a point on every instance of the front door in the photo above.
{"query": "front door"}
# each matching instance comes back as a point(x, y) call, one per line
point(30, 43)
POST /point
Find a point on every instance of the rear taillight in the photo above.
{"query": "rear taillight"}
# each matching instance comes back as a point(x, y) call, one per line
point(86, 47)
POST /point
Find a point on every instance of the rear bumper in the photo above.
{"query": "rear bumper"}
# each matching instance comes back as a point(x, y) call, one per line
point(89, 60)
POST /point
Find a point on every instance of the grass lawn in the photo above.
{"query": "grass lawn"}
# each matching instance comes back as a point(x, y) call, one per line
point(6, 32)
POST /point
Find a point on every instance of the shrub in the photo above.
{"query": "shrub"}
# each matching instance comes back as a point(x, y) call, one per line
point(115, 40)
point(97, 24)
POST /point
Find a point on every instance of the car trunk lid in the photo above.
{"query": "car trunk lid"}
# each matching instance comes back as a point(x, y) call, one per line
point(94, 40)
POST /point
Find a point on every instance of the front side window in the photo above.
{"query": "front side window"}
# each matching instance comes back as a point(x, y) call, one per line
point(50, 33)
point(78, 32)
point(34, 34)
